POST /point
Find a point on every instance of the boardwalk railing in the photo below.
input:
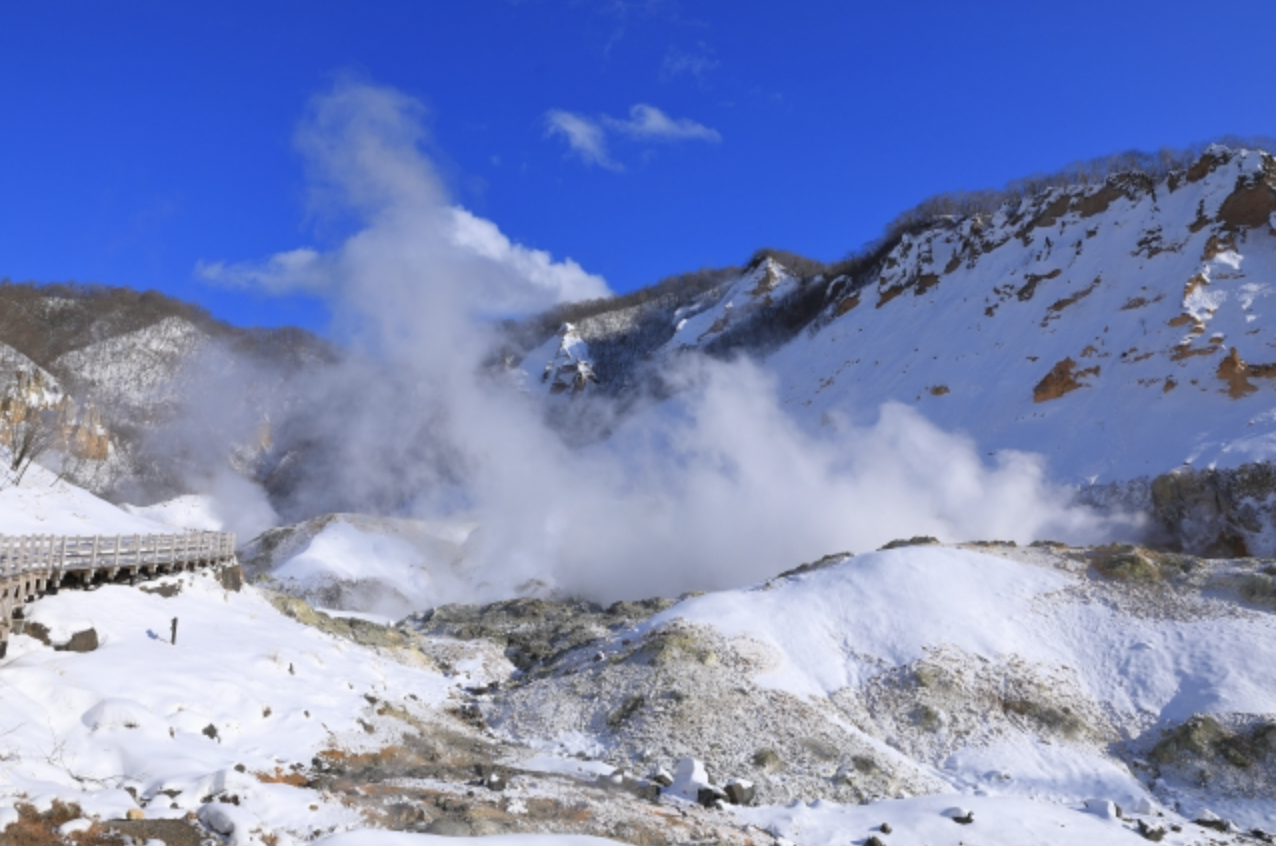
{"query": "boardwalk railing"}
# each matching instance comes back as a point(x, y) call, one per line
point(33, 565)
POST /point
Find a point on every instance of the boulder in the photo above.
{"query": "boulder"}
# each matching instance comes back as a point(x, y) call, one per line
point(740, 792)
point(85, 641)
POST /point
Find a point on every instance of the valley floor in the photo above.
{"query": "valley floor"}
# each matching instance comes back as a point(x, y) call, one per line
point(1035, 690)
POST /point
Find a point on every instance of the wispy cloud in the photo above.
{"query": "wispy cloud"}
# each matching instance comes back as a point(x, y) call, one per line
point(695, 63)
point(584, 136)
point(650, 123)
point(587, 136)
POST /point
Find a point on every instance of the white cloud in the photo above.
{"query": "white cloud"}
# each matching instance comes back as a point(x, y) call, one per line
point(648, 122)
point(587, 137)
point(584, 136)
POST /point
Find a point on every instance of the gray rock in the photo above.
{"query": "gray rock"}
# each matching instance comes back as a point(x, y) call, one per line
point(85, 641)
point(740, 792)
point(710, 796)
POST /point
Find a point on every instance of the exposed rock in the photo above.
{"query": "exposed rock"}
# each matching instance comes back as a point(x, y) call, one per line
point(85, 640)
point(740, 792)
point(1216, 513)
point(917, 540)
point(535, 632)
point(1154, 833)
point(661, 776)
point(1063, 378)
point(231, 577)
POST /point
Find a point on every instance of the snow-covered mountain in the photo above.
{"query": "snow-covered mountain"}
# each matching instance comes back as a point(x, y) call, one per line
point(1122, 330)
point(1118, 328)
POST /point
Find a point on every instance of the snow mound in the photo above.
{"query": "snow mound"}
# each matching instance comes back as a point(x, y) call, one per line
point(384, 566)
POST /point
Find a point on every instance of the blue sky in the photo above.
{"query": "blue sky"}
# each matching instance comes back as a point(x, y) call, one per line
point(638, 138)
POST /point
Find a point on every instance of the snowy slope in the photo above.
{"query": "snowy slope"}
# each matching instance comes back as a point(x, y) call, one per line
point(1011, 674)
point(749, 298)
point(566, 369)
point(136, 713)
point(390, 567)
point(1132, 295)
point(136, 368)
point(43, 504)
point(1092, 324)
point(14, 366)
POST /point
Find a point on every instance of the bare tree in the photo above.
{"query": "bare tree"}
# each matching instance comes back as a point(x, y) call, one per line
point(29, 438)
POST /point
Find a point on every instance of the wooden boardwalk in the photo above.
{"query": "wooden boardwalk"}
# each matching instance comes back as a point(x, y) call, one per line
point(34, 565)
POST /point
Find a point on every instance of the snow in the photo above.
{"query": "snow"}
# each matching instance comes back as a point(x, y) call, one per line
point(888, 605)
point(136, 366)
point(137, 711)
point(998, 821)
point(1124, 423)
point(44, 505)
point(392, 567)
point(193, 511)
point(839, 626)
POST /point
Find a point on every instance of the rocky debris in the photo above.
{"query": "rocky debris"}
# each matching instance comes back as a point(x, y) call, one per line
point(536, 633)
point(740, 792)
point(166, 589)
point(1217, 513)
point(1131, 563)
point(85, 640)
point(661, 777)
point(231, 577)
point(169, 832)
point(1155, 833)
point(1203, 737)
point(820, 564)
point(1208, 819)
point(918, 540)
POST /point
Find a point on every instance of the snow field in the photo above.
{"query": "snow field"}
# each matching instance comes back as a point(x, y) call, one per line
point(244, 695)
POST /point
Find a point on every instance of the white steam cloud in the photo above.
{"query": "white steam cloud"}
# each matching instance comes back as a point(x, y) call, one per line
point(716, 487)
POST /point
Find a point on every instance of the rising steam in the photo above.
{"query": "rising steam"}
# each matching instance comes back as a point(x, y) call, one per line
point(716, 487)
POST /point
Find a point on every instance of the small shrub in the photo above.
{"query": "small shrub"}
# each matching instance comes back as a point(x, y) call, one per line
point(928, 676)
point(632, 705)
point(34, 828)
point(1258, 588)
point(916, 540)
point(1125, 563)
point(864, 764)
point(1196, 738)
point(1061, 720)
point(768, 760)
point(928, 718)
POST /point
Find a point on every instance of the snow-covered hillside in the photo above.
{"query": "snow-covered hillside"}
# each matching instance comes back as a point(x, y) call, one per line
point(1122, 330)
point(135, 369)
